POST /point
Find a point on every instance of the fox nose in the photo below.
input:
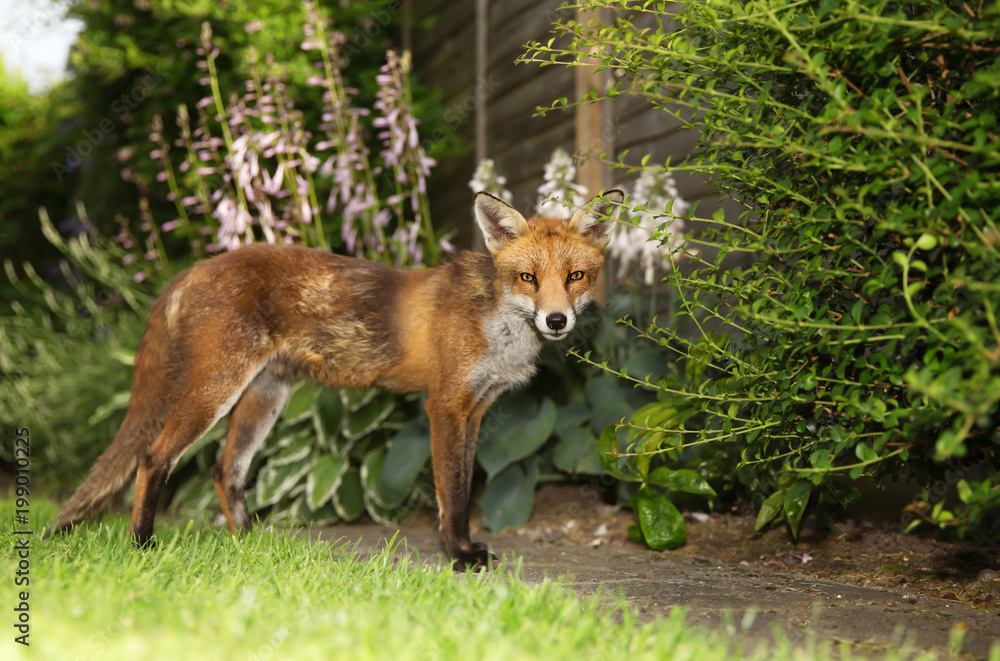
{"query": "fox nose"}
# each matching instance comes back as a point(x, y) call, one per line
point(556, 321)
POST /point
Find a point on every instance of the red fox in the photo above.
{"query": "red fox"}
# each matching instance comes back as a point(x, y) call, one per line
point(233, 333)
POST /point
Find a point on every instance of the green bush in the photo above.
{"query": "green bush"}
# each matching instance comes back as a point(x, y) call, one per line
point(33, 135)
point(844, 324)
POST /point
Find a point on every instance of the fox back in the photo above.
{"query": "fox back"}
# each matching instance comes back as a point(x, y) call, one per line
point(232, 334)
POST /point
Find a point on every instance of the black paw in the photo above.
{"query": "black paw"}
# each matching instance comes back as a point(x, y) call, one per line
point(477, 558)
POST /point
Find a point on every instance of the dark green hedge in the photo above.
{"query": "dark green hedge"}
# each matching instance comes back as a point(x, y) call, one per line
point(861, 287)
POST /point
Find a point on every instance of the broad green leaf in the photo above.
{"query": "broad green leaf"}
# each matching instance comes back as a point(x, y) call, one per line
point(770, 510)
point(408, 454)
point(354, 399)
point(365, 419)
point(275, 482)
point(328, 415)
point(574, 414)
point(300, 402)
point(324, 516)
point(349, 499)
point(298, 448)
point(576, 451)
point(643, 362)
point(662, 524)
point(796, 499)
point(516, 438)
point(684, 479)
point(323, 480)
point(605, 388)
point(609, 413)
point(371, 478)
point(290, 511)
point(510, 496)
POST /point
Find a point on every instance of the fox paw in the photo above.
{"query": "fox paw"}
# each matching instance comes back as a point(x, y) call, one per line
point(477, 558)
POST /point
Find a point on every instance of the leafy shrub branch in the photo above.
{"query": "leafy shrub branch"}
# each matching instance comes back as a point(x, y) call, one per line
point(844, 323)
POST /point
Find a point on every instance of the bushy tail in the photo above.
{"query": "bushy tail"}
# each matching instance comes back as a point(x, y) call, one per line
point(113, 471)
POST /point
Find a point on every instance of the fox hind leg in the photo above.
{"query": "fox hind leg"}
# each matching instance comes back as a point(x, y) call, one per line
point(191, 415)
point(249, 424)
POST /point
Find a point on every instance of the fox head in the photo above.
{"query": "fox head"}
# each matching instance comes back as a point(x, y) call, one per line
point(548, 266)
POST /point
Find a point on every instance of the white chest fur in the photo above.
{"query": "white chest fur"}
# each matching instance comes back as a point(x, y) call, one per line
point(513, 345)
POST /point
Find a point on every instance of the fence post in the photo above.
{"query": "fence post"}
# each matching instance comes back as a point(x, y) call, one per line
point(589, 121)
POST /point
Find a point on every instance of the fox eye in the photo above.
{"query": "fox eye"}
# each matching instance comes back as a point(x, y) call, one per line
point(528, 277)
point(576, 275)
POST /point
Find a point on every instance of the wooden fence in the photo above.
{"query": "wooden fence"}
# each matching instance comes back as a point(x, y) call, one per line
point(467, 49)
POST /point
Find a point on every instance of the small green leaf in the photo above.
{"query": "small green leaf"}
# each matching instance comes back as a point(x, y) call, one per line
point(607, 451)
point(927, 242)
point(661, 523)
point(964, 491)
point(770, 510)
point(685, 480)
point(796, 499)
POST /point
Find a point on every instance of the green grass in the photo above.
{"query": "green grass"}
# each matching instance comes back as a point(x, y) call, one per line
point(203, 594)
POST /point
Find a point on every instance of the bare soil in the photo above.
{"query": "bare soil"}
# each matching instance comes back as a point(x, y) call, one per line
point(851, 582)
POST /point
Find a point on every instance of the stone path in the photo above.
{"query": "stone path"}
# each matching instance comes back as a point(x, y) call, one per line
point(720, 597)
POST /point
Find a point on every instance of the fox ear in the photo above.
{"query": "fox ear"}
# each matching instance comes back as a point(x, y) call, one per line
point(595, 220)
point(499, 222)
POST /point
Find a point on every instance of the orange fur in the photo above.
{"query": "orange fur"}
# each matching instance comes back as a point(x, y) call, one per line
point(230, 335)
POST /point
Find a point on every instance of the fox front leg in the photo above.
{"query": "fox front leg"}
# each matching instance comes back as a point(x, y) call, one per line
point(453, 450)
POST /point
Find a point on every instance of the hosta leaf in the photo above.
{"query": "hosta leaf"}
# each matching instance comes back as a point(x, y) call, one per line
point(354, 399)
point(604, 388)
point(510, 496)
point(576, 451)
point(349, 499)
point(300, 402)
point(364, 420)
point(293, 451)
point(328, 415)
point(275, 482)
point(323, 480)
point(371, 478)
point(609, 413)
point(407, 455)
point(572, 415)
point(516, 438)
